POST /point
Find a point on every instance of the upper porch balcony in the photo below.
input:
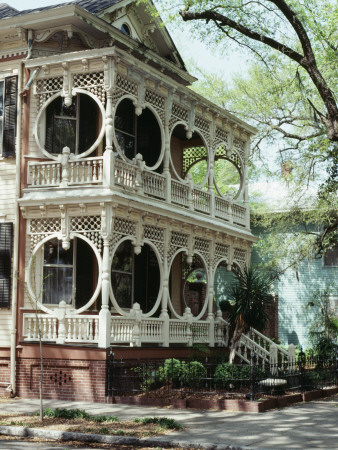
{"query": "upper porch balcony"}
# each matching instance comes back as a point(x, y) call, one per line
point(133, 133)
point(133, 178)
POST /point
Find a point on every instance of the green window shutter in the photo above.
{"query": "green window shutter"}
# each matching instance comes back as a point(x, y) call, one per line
point(10, 116)
point(6, 239)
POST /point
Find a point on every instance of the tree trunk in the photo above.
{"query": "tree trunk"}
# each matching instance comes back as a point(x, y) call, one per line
point(234, 342)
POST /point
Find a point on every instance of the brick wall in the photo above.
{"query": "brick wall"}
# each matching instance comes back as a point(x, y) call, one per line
point(63, 379)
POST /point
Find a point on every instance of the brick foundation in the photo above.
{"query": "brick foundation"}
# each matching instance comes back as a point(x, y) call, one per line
point(69, 372)
point(62, 379)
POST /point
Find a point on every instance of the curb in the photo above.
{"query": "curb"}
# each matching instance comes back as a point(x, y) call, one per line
point(24, 432)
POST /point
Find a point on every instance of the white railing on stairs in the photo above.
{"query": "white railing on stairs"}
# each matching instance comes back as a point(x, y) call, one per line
point(267, 352)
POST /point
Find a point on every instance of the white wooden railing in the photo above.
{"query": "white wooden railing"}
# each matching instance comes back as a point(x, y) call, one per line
point(179, 193)
point(76, 328)
point(265, 350)
point(136, 178)
point(134, 330)
point(130, 330)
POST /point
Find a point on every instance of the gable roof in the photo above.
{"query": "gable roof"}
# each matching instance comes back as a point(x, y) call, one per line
point(7, 11)
point(92, 6)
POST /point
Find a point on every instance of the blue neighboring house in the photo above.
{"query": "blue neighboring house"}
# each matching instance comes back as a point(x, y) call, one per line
point(296, 289)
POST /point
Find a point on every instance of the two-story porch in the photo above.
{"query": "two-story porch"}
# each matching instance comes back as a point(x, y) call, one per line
point(135, 196)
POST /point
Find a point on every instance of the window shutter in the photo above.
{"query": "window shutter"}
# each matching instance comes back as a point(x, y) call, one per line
point(10, 115)
point(6, 238)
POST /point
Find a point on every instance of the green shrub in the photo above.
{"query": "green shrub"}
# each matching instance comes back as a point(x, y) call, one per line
point(63, 413)
point(163, 422)
point(192, 373)
point(173, 371)
point(225, 374)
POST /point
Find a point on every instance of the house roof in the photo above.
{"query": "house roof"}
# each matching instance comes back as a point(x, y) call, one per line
point(7, 11)
point(92, 6)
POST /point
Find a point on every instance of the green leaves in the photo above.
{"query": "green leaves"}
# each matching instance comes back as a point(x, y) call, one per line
point(249, 295)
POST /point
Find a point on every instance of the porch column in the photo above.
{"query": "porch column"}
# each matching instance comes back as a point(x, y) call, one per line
point(108, 156)
point(164, 304)
point(211, 318)
point(104, 315)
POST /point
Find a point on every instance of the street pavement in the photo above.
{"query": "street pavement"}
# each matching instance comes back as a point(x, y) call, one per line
point(302, 426)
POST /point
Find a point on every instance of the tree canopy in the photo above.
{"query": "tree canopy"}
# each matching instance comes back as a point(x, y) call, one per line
point(299, 32)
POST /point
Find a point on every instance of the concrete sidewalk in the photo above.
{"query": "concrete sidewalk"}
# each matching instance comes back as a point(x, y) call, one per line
point(306, 425)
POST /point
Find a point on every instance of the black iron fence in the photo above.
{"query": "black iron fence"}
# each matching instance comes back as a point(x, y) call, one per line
point(173, 377)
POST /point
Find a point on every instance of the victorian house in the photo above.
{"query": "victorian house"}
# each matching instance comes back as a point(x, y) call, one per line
point(123, 195)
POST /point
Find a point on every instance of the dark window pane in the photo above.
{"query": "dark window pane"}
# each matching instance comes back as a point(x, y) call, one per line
point(88, 123)
point(64, 135)
point(125, 117)
point(331, 257)
point(51, 252)
point(148, 137)
point(57, 285)
point(126, 144)
point(123, 258)
point(1, 98)
point(66, 256)
point(122, 289)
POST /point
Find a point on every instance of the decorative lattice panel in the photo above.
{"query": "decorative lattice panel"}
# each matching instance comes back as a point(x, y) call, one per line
point(126, 85)
point(202, 124)
point(40, 228)
point(154, 99)
point(47, 87)
point(221, 252)
point(44, 226)
point(177, 241)
point(156, 236)
point(221, 135)
point(122, 227)
point(92, 82)
point(221, 153)
point(157, 101)
point(89, 226)
point(239, 146)
point(192, 155)
point(240, 257)
point(203, 247)
point(179, 112)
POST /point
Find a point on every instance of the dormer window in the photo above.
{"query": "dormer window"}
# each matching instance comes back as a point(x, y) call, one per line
point(125, 29)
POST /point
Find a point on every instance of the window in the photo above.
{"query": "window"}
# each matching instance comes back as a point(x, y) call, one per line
point(57, 273)
point(125, 29)
point(331, 257)
point(68, 275)
point(135, 278)
point(8, 114)
point(137, 134)
point(74, 126)
point(6, 238)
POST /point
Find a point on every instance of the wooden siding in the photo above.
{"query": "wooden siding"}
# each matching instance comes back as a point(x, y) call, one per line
point(295, 290)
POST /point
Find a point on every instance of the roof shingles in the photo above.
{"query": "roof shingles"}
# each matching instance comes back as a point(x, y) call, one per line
point(92, 6)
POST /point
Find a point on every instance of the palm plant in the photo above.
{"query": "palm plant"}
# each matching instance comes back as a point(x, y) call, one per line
point(248, 295)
